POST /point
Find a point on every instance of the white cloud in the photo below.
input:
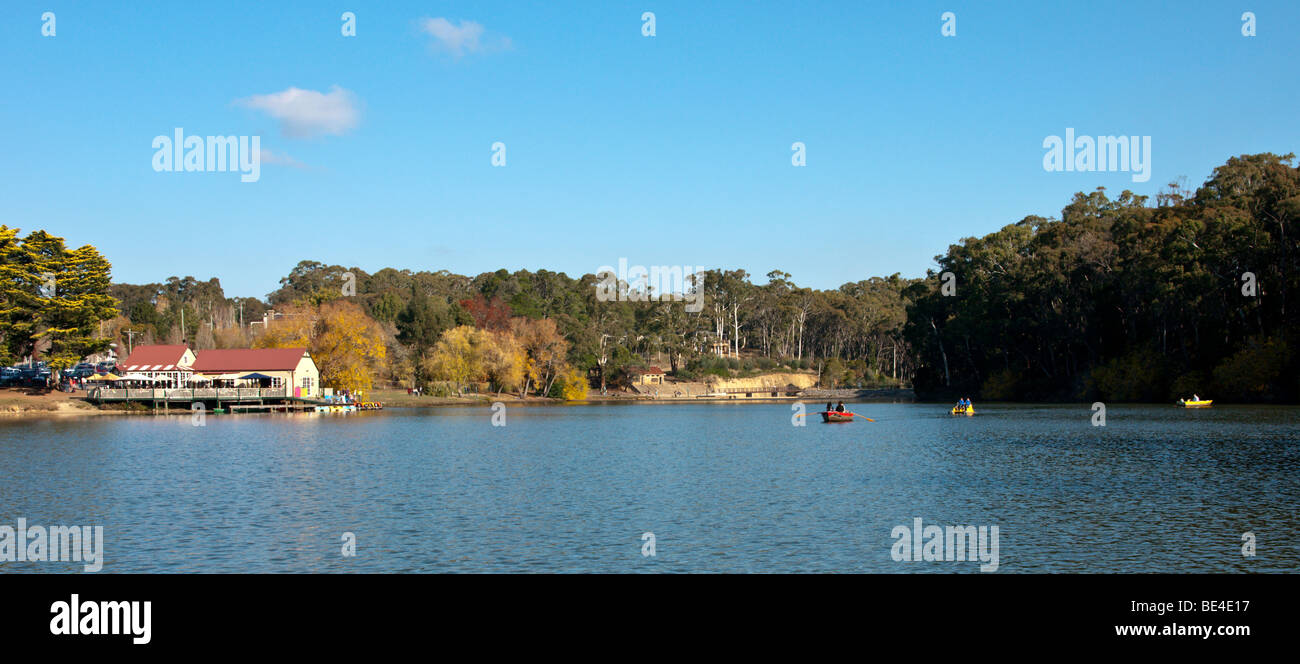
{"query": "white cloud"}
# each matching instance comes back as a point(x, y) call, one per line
point(467, 37)
point(308, 113)
point(280, 159)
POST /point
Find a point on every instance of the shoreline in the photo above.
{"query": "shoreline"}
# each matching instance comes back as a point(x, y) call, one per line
point(57, 405)
point(84, 409)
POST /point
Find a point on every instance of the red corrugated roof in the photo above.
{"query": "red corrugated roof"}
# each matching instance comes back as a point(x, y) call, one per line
point(249, 359)
point(150, 356)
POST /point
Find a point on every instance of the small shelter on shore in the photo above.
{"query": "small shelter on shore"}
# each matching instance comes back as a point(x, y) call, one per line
point(647, 375)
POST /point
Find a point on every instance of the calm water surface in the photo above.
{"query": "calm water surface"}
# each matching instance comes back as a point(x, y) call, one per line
point(723, 487)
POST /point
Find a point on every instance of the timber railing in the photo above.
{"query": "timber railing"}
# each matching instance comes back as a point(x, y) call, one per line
point(187, 393)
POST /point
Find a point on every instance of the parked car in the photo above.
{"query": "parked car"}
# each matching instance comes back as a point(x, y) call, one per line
point(33, 378)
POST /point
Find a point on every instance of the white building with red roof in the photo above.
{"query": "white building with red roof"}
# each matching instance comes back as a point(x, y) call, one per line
point(290, 368)
point(168, 363)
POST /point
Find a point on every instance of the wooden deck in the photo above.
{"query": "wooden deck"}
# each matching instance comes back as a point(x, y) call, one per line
point(187, 395)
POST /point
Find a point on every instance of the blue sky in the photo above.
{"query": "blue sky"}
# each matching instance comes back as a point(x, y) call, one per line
point(667, 150)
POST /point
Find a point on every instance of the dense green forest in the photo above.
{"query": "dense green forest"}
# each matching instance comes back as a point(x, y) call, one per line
point(1119, 299)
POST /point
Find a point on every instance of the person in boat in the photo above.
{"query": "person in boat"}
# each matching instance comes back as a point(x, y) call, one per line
point(1196, 397)
point(840, 407)
point(829, 408)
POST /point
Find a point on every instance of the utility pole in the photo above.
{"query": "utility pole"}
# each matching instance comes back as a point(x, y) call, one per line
point(130, 336)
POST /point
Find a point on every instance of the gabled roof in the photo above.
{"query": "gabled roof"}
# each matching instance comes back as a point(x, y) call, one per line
point(154, 358)
point(249, 359)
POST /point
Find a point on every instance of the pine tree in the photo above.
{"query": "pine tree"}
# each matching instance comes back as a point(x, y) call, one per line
point(80, 302)
point(51, 298)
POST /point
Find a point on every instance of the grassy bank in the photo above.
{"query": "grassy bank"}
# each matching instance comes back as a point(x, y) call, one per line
point(400, 399)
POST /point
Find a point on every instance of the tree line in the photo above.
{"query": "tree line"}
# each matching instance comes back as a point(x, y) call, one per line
point(851, 336)
point(1119, 299)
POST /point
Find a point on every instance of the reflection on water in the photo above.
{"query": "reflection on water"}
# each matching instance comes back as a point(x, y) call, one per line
point(724, 487)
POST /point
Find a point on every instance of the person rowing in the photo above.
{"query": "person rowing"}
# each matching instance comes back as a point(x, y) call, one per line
point(839, 408)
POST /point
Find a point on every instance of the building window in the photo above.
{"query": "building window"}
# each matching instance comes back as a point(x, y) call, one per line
point(277, 382)
point(306, 385)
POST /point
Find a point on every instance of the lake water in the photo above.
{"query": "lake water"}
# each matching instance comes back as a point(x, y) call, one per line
point(723, 488)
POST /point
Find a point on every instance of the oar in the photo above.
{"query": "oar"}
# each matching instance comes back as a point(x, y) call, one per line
point(862, 416)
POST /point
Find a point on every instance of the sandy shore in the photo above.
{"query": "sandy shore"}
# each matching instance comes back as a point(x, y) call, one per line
point(24, 402)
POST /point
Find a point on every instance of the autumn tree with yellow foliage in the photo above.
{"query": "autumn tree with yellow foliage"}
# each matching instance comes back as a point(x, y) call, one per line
point(529, 356)
point(346, 344)
point(457, 357)
point(348, 347)
point(573, 385)
point(504, 362)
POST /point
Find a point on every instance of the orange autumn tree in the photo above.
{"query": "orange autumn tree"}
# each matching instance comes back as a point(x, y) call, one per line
point(292, 329)
point(346, 344)
point(545, 348)
point(348, 347)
